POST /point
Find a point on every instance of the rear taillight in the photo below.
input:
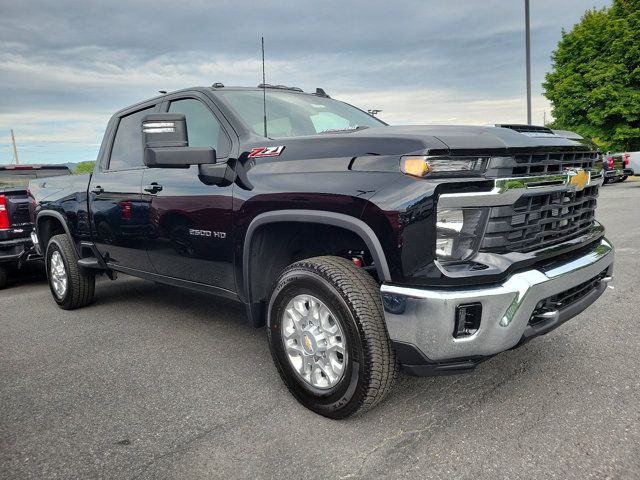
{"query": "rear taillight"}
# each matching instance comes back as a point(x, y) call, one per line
point(610, 160)
point(4, 213)
point(126, 210)
point(626, 159)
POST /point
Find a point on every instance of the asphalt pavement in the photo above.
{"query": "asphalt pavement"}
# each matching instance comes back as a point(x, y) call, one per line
point(155, 382)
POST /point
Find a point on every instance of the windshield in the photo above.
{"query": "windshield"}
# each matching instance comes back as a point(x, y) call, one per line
point(292, 114)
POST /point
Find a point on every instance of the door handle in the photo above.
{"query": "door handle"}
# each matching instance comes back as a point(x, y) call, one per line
point(153, 188)
point(97, 190)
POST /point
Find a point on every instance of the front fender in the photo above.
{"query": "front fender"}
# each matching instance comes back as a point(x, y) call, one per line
point(340, 220)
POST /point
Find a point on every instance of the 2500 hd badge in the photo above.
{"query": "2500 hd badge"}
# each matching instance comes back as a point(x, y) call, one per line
point(207, 233)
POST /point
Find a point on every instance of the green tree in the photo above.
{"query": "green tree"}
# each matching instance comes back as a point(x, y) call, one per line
point(84, 167)
point(594, 85)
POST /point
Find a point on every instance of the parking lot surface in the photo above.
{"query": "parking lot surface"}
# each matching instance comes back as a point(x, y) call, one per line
point(155, 382)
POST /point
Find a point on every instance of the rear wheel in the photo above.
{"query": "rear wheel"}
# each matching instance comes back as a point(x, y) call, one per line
point(624, 177)
point(71, 286)
point(328, 338)
point(3, 277)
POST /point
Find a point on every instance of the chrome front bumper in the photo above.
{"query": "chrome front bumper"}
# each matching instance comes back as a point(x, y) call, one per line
point(425, 318)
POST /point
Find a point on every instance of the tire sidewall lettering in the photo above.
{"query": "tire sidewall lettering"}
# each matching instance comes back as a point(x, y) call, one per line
point(312, 283)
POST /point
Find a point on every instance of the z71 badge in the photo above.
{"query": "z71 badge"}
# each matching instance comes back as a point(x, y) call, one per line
point(266, 151)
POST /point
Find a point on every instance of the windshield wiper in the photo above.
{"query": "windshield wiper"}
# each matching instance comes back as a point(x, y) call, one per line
point(344, 130)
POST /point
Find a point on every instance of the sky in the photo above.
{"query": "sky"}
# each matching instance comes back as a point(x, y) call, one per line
point(66, 66)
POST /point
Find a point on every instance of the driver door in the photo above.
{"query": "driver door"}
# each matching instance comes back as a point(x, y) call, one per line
point(191, 222)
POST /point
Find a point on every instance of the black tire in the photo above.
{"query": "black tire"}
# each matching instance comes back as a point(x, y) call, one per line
point(354, 298)
point(624, 177)
point(80, 283)
point(3, 277)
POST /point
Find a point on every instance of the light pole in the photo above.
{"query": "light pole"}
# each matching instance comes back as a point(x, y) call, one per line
point(528, 48)
point(15, 149)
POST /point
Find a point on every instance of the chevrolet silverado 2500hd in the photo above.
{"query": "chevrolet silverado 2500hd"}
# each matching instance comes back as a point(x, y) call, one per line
point(362, 247)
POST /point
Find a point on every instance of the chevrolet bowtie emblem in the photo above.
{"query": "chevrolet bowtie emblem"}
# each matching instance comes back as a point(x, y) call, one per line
point(578, 178)
point(307, 343)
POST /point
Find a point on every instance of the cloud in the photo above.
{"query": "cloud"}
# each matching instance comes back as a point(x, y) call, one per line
point(444, 107)
point(65, 66)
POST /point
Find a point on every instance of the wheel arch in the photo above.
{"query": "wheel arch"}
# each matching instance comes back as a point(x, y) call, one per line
point(346, 223)
point(50, 223)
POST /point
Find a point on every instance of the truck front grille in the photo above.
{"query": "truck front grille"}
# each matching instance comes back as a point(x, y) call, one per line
point(536, 221)
point(552, 162)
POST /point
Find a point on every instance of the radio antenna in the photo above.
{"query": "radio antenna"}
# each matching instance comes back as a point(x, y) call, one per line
point(264, 92)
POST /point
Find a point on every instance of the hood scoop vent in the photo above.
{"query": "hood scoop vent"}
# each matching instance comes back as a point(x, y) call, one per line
point(529, 130)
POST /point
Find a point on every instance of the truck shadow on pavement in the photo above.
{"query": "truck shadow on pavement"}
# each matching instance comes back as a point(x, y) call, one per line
point(187, 303)
point(29, 274)
point(226, 321)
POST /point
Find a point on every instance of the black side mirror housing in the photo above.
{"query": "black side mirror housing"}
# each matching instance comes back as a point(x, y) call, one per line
point(178, 157)
point(166, 143)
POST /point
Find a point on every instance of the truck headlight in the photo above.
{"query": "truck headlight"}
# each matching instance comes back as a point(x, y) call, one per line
point(423, 165)
point(458, 232)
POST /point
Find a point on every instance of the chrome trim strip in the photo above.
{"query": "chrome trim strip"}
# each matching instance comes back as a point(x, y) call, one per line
point(507, 191)
point(590, 258)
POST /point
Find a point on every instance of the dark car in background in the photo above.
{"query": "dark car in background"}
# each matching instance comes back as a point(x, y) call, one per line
point(615, 167)
point(16, 246)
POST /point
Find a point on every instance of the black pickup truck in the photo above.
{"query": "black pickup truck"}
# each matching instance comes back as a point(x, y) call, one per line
point(15, 222)
point(362, 247)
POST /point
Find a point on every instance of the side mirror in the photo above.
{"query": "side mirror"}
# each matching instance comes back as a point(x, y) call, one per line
point(165, 140)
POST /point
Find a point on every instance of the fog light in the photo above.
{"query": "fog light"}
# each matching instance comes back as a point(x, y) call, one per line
point(468, 318)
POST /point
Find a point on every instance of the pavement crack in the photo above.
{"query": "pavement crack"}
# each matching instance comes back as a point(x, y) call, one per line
point(445, 396)
point(367, 455)
point(173, 451)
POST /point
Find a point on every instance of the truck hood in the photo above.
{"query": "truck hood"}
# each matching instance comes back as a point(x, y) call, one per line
point(429, 139)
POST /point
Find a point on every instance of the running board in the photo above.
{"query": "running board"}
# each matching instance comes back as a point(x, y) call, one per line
point(90, 262)
point(94, 261)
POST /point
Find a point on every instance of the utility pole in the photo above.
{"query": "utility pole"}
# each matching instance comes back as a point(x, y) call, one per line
point(15, 150)
point(528, 48)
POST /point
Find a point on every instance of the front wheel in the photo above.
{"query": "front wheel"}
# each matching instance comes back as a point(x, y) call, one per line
point(328, 337)
point(71, 286)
